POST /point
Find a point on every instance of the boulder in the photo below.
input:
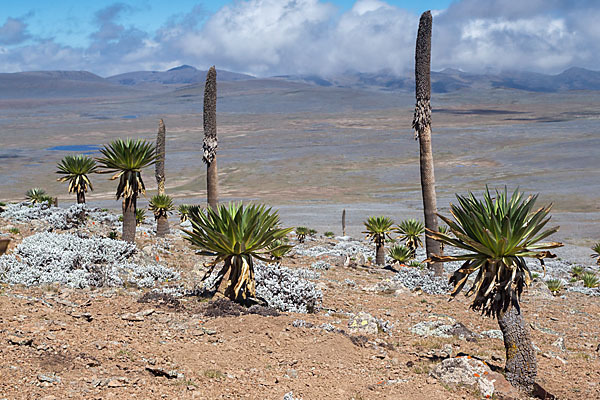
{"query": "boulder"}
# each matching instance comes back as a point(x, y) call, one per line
point(465, 371)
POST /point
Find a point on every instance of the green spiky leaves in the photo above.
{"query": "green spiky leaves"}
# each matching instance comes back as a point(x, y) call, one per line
point(126, 159)
point(75, 171)
point(410, 232)
point(161, 205)
point(596, 250)
point(378, 228)
point(38, 195)
point(497, 233)
point(401, 254)
point(236, 234)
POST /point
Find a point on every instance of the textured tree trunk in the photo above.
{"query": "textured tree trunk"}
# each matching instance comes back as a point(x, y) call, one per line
point(162, 226)
point(81, 197)
point(344, 222)
point(422, 126)
point(521, 365)
point(380, 254)
point(159, 167)
point(129, 223)
point(212, 185)
point(210, 138)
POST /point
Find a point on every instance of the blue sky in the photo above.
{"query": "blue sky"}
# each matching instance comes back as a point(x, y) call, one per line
point(72, 21)
point(268, 37)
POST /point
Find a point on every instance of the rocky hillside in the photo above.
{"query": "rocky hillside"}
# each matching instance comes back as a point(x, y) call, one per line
point(88, 316)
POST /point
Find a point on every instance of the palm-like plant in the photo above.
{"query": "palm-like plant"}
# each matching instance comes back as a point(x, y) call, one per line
point(410, 232)
point(75, 170)
point(161, 206)
point(183, 210)
point(401, 254)
point(497, 234)
point(301, 232)
point(236, 235)
point(596, 250)
point(377, 230)
point(126, 159)
point(37, 195)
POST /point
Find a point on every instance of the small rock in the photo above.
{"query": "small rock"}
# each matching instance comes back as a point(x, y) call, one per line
point(85, 316)
point(19, 340)
point(363, 323)
point(48, 378)
point(157, 371)
point(540, 289)
point(560, 343)
point(132, 317)
point(292, 373)
point(493, 334)
point(445, 327)
point(360, 259)
point(117, 382)
point(137, 317)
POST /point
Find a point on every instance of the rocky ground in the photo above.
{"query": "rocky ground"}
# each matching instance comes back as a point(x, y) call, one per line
point(127, 323)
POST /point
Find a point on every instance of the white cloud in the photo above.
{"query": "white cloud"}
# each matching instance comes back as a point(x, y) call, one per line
point(267, 37)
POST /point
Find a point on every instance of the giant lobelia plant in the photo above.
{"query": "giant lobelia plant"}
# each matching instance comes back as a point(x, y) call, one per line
point(497, 234)
point(235, 235)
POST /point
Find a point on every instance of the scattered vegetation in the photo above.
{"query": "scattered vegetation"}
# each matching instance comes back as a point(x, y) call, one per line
point(236, 235)
point(301, 232)
point(329, 234)
point(14, 230)
point(75, 171)
point(590, 280)
point(410, 232)
point(596, 254)
point(577, 271)
point(377, 230)
point(416, 264)
point(278, 249)
point(400, 253)
point(140, 215)
point(37, 195)
point(183, 210)
point(555, 285)
point(113, 235)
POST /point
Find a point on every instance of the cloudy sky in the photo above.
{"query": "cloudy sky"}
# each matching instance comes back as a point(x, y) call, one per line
point(268, 37)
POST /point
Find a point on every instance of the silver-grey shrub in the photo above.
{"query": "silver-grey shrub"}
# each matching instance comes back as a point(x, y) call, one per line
point(285, 289)
point(74, 261)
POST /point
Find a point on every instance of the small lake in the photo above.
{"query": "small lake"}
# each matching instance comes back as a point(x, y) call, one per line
point(78, 148)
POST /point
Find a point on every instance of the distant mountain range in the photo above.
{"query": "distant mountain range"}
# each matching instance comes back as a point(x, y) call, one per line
point(82, 84)
point(450, 80)
point(178, 76)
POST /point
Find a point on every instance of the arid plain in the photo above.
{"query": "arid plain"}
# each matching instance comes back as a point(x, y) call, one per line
point(312, 151)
